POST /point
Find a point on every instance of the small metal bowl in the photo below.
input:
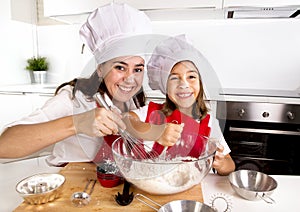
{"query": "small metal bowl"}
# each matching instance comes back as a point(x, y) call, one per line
point(253, 185)
point(40, 188)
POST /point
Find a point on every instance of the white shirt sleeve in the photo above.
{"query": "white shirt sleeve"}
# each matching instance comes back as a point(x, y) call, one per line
point(217, 133)
point(77, 148)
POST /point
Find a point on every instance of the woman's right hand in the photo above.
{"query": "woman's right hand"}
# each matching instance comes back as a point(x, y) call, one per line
point(98, 122)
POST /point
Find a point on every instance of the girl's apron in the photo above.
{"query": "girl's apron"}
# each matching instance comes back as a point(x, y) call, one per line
point(193, 137)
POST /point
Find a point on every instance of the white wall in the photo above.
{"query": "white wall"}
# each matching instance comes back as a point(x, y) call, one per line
point(244, 53)
point(62, 46)
point(16, 45)
point(247, 53)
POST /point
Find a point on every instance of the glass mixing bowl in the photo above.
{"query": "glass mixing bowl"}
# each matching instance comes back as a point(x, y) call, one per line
point(164, 175)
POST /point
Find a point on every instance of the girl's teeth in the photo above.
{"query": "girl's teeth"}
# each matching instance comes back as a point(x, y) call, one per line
point(184, 95)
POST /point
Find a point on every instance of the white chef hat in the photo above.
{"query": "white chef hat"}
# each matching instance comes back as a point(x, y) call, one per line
point(167, 54)
point(115, 30)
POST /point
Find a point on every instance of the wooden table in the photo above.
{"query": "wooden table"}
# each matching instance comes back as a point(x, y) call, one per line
point(77, 174)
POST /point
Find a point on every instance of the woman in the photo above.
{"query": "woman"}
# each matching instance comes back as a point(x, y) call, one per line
point(179, 64)
point(71, 119)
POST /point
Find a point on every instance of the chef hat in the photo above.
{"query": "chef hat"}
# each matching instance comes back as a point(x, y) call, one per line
point(115, 30)
point(167, 54)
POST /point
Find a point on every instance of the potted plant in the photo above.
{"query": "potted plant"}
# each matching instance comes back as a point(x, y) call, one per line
point(38, 67)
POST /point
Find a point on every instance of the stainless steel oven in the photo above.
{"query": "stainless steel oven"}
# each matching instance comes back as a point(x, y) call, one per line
point(262, 136)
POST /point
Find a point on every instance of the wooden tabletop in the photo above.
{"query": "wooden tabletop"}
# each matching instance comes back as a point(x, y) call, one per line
point(77, 174)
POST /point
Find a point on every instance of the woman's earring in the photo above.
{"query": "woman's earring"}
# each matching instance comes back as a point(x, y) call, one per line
point(100, 79)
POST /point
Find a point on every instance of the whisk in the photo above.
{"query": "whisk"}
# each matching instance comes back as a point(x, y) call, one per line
point(135, 148)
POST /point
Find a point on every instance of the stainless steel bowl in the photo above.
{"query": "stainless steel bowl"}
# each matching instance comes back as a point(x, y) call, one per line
point(163, 177)
point(253, 185)
point(176, 205)
point(186, 205)
point(40, 188)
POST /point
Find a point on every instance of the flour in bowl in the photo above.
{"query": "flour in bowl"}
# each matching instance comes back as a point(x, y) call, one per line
point(167, 178)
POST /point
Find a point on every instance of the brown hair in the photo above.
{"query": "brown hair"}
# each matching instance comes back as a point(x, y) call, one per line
point(200, 109)
point(90, 86)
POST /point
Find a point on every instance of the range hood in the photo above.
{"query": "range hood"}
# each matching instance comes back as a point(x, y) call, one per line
point(262, 12)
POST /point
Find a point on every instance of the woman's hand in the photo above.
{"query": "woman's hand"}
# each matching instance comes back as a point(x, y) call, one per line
point(98, 122)
point(171, 134)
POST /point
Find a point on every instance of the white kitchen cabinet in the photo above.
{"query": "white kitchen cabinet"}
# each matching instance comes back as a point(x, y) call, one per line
point(15, 105)
point(170, 10)
point(71, 7)
point(173, 4)
point(24, 11)
point(69, 11)
point(76, 11)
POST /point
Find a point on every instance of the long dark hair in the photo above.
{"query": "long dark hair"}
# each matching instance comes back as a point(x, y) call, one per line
point(90, 86)
point(200, 109)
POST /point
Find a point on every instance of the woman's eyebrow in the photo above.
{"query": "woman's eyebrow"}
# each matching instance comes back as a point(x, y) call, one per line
point(126, 64)
point(140, 64)
point(122, 62)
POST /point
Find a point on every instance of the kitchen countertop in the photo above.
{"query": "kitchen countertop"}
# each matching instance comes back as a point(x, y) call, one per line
point(29, 88)
point(76, 175)
point(260, 95)
point(286, 195)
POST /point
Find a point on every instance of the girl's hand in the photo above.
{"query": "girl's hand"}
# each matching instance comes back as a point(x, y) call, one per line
point(171, 134)
point(223, 164)
point(98, 122)
point(219, 157)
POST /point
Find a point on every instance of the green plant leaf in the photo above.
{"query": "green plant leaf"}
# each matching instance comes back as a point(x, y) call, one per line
point(37, 64)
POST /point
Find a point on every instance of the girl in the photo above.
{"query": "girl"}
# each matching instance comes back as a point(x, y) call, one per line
point(179, 64)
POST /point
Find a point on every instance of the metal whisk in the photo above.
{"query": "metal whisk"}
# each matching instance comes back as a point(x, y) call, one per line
point(136, 148)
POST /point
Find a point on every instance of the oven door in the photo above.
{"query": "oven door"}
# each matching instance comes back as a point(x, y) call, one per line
point(266, 147)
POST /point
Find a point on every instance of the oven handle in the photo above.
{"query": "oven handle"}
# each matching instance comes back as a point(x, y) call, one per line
point(280, 132)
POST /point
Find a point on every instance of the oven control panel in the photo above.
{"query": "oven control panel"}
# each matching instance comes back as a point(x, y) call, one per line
point(259, 111)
